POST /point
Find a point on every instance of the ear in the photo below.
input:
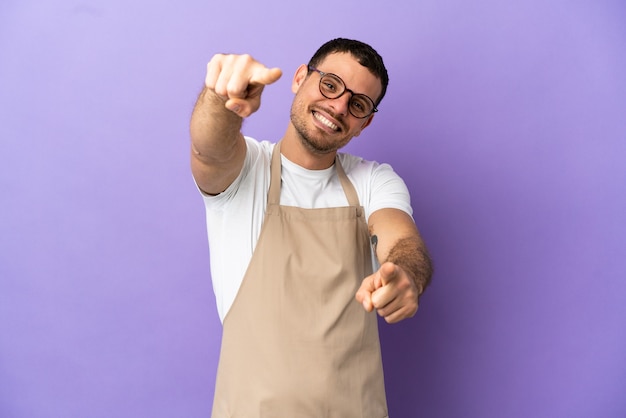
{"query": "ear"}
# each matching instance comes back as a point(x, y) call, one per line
point(365, 124)
point(299, 77)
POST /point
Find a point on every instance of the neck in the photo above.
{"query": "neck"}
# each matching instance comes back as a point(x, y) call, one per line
point(296, 152)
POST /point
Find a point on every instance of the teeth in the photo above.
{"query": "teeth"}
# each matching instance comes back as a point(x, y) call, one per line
point(326, 121)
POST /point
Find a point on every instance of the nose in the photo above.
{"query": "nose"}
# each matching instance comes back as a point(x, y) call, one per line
point(342, 103)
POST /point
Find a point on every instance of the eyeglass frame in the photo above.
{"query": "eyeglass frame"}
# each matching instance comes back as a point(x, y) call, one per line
point(345, 89)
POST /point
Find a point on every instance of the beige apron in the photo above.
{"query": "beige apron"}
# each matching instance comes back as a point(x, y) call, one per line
point(296, 344)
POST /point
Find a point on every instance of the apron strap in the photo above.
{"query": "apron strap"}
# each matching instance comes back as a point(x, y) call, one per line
point(348, 187)
point(273, 195)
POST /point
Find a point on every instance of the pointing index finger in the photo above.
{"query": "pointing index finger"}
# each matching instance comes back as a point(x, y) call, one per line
point(265, 75)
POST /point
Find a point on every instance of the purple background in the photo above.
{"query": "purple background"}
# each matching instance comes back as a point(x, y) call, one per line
point(507, 120)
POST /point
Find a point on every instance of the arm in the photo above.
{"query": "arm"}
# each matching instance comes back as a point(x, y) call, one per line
point(232, 91)
point(405, 271)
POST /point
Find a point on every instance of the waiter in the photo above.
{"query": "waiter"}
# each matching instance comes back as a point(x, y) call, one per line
point(306, 242)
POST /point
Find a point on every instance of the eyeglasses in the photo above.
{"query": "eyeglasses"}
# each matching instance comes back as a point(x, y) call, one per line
point(333, 87)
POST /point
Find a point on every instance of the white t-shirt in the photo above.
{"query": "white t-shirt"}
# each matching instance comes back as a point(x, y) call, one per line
point(234, 217)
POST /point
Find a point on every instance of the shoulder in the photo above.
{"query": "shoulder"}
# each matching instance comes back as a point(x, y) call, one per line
point(378, 185)
point(356, 166)
point(258, 149)
point(359, 168)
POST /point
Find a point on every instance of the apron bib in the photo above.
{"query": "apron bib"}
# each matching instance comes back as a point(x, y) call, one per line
point(295, 342)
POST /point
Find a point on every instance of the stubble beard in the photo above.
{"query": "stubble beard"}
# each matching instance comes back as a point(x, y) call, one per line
point(316, 146)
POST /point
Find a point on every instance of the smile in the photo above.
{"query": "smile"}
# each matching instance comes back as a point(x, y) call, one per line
point(325, 121)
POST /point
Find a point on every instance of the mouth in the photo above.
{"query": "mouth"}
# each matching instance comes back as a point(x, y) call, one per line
point(324, 121)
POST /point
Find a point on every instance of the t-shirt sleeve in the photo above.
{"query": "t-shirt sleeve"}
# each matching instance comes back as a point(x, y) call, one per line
point(217, 202)
point(388, 190)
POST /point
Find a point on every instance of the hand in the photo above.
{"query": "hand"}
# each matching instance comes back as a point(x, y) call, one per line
point(391, 291)
point(239, 81)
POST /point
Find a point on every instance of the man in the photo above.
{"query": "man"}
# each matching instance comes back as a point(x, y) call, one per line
point(292, 228)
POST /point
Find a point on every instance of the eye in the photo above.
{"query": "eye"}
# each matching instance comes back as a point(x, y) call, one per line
point(357, 105)
point(361, 104)
point(331, 85)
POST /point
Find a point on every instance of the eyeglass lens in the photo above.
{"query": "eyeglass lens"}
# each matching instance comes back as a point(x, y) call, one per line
point(332, 87)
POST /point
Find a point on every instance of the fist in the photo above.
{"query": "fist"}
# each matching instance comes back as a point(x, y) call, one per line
point(391, 291)
point(239, 80)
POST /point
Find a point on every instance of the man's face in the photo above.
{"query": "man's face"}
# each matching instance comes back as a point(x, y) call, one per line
point(326, 125)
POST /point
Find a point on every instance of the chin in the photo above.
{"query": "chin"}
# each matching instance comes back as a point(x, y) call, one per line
point(321, 147)
point(315, 147)
point(314, 139)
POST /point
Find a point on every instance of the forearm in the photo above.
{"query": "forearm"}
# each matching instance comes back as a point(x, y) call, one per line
point(214, 129)
point(405, 271)
point(411, 254)
point(397, 240)
point(217, 145)
point(233, 87)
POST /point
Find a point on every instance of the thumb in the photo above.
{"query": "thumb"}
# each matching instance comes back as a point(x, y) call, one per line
point(266, 76)
point(241, 107)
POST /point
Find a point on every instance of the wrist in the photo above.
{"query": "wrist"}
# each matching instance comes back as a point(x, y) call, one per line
point(410, 255)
